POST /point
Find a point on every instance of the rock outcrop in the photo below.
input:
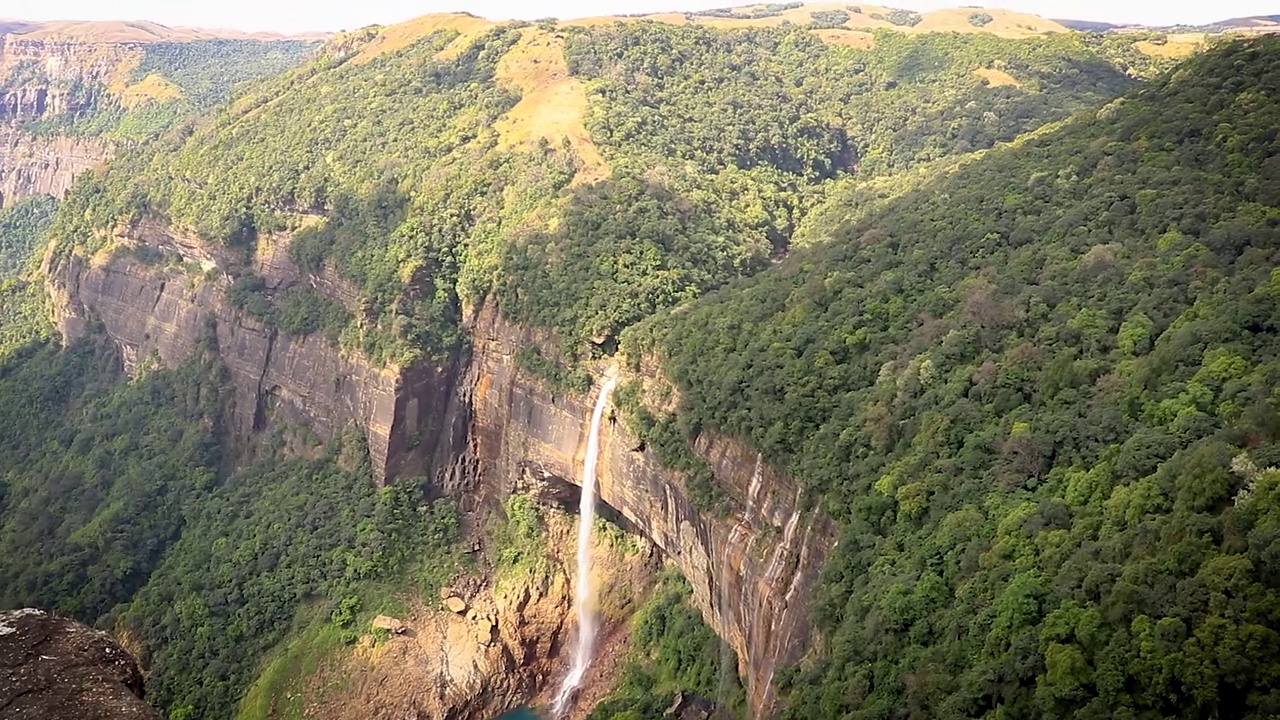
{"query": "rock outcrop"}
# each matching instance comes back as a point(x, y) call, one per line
point(481, 427)
point(52, 668)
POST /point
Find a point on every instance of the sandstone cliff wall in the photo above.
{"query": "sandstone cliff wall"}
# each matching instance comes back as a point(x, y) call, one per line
point(168, 310)
point(34, 165)
point(41, 79)
point(752, 569)
point(482, 427)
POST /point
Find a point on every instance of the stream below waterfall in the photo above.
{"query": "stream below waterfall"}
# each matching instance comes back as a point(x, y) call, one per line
point(522, 713)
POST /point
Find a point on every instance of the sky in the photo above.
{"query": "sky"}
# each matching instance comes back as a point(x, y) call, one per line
point(331, 15)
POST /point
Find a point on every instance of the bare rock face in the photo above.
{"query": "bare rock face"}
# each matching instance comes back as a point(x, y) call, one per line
point(166, 311)
point(752, 569)
point(38, 165)
point(52, 668)
point(32, 165)
point(39, 80)
point(59, 65)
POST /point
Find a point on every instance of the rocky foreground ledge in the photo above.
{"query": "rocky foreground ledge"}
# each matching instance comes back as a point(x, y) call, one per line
point(53, 668)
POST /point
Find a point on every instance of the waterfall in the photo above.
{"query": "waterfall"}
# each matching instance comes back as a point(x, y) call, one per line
point(584, 592)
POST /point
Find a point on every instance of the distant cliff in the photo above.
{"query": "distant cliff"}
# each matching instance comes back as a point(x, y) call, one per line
point(67, 89)
point(41, 80)
point(35, 165)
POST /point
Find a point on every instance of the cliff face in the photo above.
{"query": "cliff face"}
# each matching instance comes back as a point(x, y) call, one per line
point(41, 79)
point(482, 427)
point(53, 77)
point(752, 569)
point(35, 165)
point(166, 311)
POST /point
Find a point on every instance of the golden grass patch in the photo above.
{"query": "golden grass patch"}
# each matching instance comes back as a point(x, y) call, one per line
point(997, 78)
point(1169, 49)
point(849, 38)
point(152, 88)
point(1004, 23)
point(394, 37)
point(553, 104)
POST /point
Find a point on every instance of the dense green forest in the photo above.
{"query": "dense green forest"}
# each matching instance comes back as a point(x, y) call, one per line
point(1039, 392)
point(713, 187)
point(23, 312)
point(720, 140)
point(22, 229)
point(672, 651)
point(208, 71)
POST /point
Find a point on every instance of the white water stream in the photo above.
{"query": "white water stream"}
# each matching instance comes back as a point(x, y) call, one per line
point(585, 590)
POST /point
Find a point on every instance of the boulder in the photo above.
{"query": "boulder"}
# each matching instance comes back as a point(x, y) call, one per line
point(53, 668)
point(386, 622)
point(455, 604)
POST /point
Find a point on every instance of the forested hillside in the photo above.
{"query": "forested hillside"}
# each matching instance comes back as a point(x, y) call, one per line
point(428, 208)
point(1006, 313)
point(1040, 395)
point(119, 488)
point(23, 313)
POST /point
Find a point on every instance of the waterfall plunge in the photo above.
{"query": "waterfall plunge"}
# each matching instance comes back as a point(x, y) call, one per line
point(584, 592)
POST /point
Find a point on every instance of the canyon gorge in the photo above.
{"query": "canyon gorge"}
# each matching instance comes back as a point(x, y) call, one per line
point(475, 423)
point(485, 427)
point(778, 361)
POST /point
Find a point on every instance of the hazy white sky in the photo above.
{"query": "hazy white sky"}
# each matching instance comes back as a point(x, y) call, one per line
point(297, 16)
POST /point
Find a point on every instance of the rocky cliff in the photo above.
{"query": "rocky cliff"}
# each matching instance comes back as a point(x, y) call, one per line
point(46, 78)
point(481, 427)
point(752, 568)
point(167, 309)
point(36, 165)
point(52, 668)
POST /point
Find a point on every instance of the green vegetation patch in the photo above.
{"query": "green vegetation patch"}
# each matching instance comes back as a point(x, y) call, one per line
point(828, 19)
point(269, 539)
point(22, 229)
point(209, 71)
point(117, 487)
point(1040, 396)
point(672, 651)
